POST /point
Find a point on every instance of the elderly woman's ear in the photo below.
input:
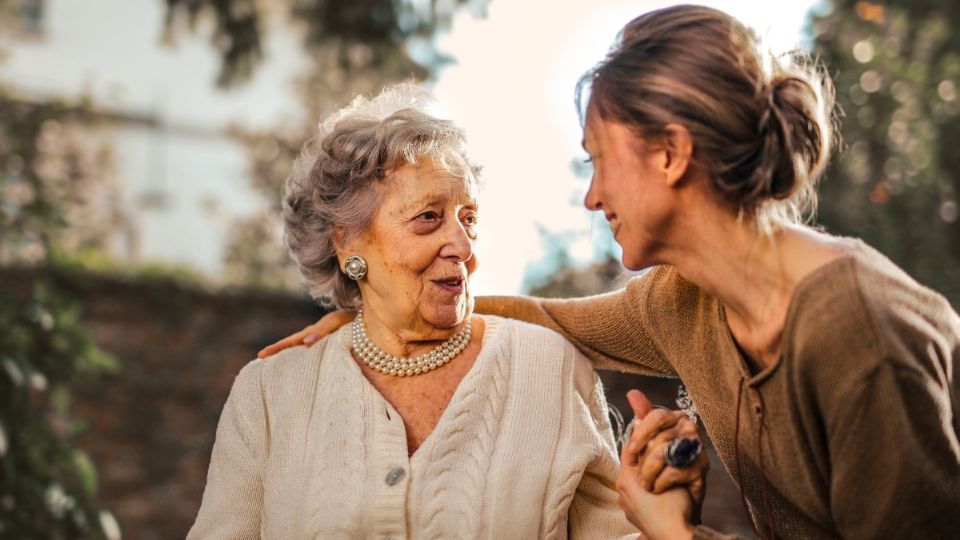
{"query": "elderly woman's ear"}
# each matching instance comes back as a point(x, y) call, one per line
point(344, 246)
point(338, 247)
point(349, 255)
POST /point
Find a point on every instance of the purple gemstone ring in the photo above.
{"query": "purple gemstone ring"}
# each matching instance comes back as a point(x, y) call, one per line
point(682, 452)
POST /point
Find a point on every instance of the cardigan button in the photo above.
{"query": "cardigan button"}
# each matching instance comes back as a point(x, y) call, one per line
point(394, 476)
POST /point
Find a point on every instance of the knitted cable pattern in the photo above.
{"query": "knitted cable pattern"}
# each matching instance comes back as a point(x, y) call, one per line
point(334, 491)
point(561, 495)
point(467, 450)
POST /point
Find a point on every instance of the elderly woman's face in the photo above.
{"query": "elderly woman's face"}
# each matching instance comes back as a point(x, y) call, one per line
point(420, 249)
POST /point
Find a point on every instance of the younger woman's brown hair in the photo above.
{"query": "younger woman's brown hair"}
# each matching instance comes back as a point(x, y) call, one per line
point(762, 126)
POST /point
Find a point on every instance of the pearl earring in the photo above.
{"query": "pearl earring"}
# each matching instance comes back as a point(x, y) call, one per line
point(355, 267)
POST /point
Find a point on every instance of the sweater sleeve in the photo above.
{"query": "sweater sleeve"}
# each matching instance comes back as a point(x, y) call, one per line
point(594, 511)
point(232, 500)
point(609, 329)
point(895, 457)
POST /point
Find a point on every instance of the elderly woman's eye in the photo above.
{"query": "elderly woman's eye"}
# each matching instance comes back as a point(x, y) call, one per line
point(471, 219)
point(429, 215)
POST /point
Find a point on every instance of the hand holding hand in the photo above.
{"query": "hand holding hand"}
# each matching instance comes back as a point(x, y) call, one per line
point(653, 430)
point(661, 500)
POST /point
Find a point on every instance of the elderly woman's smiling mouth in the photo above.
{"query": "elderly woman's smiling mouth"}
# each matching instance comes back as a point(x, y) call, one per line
point(452, 284)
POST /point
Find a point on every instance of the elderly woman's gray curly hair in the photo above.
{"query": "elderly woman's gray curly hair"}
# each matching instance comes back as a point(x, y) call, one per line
point(332, 183)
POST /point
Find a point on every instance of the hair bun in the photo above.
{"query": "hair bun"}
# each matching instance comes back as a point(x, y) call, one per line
point(792, 142)
point(793, 138)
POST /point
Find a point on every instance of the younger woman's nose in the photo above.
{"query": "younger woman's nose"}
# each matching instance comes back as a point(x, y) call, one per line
point(591, 200)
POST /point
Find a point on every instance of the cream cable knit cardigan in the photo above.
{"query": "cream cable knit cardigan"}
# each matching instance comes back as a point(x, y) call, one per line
point(307, 448)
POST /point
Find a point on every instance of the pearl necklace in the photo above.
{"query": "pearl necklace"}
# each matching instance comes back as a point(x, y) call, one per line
point(378, 359)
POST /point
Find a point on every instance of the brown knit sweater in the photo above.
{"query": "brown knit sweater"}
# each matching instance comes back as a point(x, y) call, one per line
point(853, 433)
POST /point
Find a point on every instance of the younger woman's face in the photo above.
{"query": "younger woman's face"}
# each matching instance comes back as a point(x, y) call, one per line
point(629, 186)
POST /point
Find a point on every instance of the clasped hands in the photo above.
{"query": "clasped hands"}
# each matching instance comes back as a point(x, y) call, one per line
point(661, 500)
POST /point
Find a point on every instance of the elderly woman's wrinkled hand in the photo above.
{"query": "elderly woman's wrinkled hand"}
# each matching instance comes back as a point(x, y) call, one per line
point(327, 324)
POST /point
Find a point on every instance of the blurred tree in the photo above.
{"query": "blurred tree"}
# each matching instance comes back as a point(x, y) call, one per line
point(569, 281)
point(56, 196)
point(355, 47)
point(47, 487)
point(372, 32)
point(59, 191)
point(896, 66)
point(52, 177)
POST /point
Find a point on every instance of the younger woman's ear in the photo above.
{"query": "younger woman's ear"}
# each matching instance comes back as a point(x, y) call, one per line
point(678, 148)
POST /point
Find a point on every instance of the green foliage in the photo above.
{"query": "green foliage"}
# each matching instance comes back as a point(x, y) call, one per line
point(896, 66)
point(50, 173)
point(99, 261)
point(29, 213)
point(47, 488)
point(54, 178)
point(372, 31)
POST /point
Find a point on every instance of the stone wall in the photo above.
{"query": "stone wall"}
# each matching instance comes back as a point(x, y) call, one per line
point(152, 425)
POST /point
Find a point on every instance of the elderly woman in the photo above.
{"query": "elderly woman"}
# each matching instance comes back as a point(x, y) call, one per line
point(421, 419)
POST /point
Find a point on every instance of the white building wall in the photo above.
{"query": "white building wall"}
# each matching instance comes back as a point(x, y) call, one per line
point(183, 179)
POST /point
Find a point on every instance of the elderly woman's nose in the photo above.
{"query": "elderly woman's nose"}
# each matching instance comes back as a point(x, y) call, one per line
point(458, 243)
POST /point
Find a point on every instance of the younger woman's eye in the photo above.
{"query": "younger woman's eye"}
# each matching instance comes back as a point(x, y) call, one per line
point(588, 159)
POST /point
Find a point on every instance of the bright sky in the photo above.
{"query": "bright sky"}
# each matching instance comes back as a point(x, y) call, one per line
point(512, 90)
